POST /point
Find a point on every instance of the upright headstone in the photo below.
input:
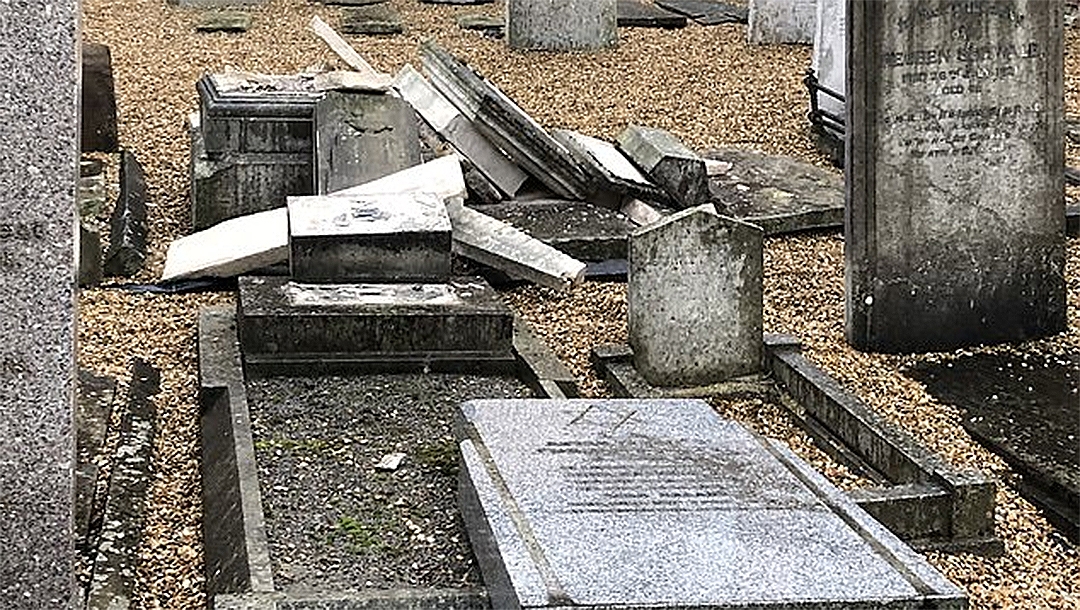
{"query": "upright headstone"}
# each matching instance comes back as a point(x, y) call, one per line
point(561, 25)
point(98, 99)
point(694, 298)
point(955, 226)
point(829, 59)
point(781, 21)
point(39, 154)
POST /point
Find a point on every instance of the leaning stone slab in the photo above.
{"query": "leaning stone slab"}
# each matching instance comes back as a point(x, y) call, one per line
point(943, 249)
point(781, 21)
point(638, 14)
point(665, 159)
point(285, 324)
point(829, 57)
point(777, 193)
point(622, 179)
point(566, 25)
point(90, 272)
point(694, 299)
point(98, 118)
point(441, 177)
point(93, 411)
point(459, 131)
point(128, 225)
point(663, 504)
point(361, 137)
point(497, 244)
point(234, 247)
point(369, 238)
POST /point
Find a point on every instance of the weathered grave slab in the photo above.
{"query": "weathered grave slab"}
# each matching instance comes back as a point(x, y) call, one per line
point(459, 131)
point(778, 194)
point(90, 272)
point(128, 227)
point(234, 247)
point(561, 25)
point(673, 166)
point(620, 176)
point(1026, 409)
point(369, 238)
point(441, 177)
point(372, 20)
point(488, 25)
point(707, 514)
point(781, 21)
point(361, 137)
point(706, 12)
point(694, 299)
point(224, 21)
point(98, 117)
point(638, 14)
point(583, 231)
point(93, 410)
point(932, 120)
point(39, 150)
point(291, 326)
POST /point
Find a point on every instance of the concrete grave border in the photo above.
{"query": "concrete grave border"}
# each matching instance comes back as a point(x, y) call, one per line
point(920, 498)
point(238, 569)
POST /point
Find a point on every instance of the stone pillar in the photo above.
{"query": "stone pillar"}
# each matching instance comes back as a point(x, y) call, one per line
point(561, 25)
point(955, 221)
point(39, 157)
point(781, 21)
point(694, 298)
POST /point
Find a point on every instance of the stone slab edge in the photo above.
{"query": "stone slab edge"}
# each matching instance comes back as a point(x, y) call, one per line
point(395, 599)
point(884, 446)
point(128, 228)
point(539, 367)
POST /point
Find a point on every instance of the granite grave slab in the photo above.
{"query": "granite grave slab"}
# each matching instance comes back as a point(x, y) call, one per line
point(657, 504)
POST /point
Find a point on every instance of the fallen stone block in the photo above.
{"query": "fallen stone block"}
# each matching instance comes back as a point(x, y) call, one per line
point(361, 137)
point(234, 247)
point(494, 27)
point(373, 20)
point(666, 160)
point(98, 118)
point(441, 177)
point(223, 21)
point(622, 179)
point(459, 131)
point(581, 230)
point(127, 226)
point(90, 272)
point(494, 243)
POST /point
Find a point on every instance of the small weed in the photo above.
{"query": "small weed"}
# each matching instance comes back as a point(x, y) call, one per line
point(361, 536)
point(441, 456)
point(284, 443)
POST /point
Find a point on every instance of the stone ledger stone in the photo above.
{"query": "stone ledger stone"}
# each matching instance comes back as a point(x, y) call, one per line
point(369, 238)
point(781, 21)
point(944, 248)
point(561, 25)
point(361, 137)
point(694, 299)
point(39, 149)
point(601, 504)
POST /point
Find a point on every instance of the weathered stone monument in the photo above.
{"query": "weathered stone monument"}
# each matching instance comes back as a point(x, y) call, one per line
point(781, 21)
point(955, 226)
point(829, 58)
point(694, 298)
point(561, 25)
point(39, 148)
point(662, 504)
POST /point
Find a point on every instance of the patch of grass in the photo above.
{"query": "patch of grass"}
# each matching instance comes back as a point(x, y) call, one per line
point(360, 536)
point(440, 456)
point(284, 443)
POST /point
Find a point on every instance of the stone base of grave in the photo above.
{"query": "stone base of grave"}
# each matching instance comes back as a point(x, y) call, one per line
point(287, 327)
point(662, 504)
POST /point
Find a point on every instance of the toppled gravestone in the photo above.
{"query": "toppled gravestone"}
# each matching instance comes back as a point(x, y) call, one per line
point(666, 160)
point(128, 223)
point(694, 299)
point(662, 504)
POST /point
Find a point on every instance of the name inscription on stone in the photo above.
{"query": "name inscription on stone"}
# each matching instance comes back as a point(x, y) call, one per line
point(964, 70)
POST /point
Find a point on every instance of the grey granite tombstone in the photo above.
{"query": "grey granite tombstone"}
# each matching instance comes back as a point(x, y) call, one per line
point(360, 137)
point(39, 149)
point(781, 21)
point(662, 504)
point(829, 57)
point(694, 298)
point(955, 227)
point(369, 238)
point(561, 25)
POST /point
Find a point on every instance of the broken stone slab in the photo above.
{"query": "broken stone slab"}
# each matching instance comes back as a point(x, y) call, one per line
point(781, 21)
point(494, 243)
point(459, 131)
point(568, 25)
point(641, 213)
point(441, 177)
point(372, 20)
point(127, 226)
point(92, 412)
point(361, 137)
point(508, 127)
point(489, 25)
point(638, 14)
point(347, 80)
point(708, 515)
point(98, 118)
point(622, 178)
point(90, 272)
point(284, 323)
point(706, 12)
point(113, 582)
point(345, 51)
point(777, 193)
point(668, 162)
point(223, 21)
point(369, 238)
point(694, 299)
point(578, 229)
point(234, 247)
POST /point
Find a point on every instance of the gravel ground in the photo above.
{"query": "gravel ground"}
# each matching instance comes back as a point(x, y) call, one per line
point(704, 84)
point(335, 521)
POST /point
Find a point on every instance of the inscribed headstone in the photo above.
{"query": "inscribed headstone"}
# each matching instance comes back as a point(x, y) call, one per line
point(781, 21)
point(955, 224)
